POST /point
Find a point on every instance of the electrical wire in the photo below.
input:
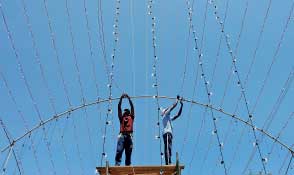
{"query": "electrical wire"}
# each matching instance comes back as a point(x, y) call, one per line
point(102, 36)
point(195, 146)
point(270, 68)
point(273, 112)
point(111, 78)
point(20, 114)
point(40, 65)
point(249, 72)
point(274, 58)
point(77, 67)
point(190, 8)
point(284, 162)
point(154, 72)
point(92, 53)
point(22, 75)
point(233, 56)
point(209, 93)
point(289, 164)
point(280, 133)
point(220, 43)
point(57, 57)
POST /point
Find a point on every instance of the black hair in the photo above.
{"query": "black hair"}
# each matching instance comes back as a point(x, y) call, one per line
point(126, 112)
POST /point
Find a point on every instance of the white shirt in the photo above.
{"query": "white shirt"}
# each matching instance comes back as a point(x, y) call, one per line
point(166, 121)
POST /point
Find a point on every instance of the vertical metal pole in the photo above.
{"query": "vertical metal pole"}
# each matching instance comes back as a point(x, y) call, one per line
point(178, 167)
point(107, 168)
point(167, 150)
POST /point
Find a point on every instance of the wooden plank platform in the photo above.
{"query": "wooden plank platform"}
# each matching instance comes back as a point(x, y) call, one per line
point(140, 170)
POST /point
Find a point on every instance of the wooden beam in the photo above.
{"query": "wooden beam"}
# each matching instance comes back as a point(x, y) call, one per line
point(140, 170)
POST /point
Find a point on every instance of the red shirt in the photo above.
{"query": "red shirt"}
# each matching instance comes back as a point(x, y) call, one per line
point(126, 123)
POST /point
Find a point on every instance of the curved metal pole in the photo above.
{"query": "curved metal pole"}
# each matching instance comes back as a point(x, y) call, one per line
point(6, 161)
point(62, 114)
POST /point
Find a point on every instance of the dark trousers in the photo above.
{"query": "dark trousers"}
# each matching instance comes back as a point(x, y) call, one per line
point(167, 139)
point(124, 142)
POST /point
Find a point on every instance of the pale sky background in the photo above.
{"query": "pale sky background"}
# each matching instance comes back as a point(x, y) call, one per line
point(259, 33)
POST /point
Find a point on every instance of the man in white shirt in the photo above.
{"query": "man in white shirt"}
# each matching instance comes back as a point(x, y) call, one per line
point(167, 128)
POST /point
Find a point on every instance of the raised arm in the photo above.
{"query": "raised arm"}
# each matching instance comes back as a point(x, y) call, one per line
point(179, 113)
point(173, 106)
point(119, 107)
point(132, 106)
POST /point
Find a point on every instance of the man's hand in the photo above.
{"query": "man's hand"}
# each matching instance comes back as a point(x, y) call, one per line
point(179, 99)
point(124, 95)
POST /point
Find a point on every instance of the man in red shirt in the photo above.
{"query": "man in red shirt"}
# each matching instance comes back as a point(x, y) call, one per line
point(125, 136)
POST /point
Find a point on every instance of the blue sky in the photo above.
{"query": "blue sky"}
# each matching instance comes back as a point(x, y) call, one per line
point(258, 32)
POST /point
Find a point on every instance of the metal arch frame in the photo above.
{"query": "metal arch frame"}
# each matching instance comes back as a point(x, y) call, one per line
point(98, 101)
